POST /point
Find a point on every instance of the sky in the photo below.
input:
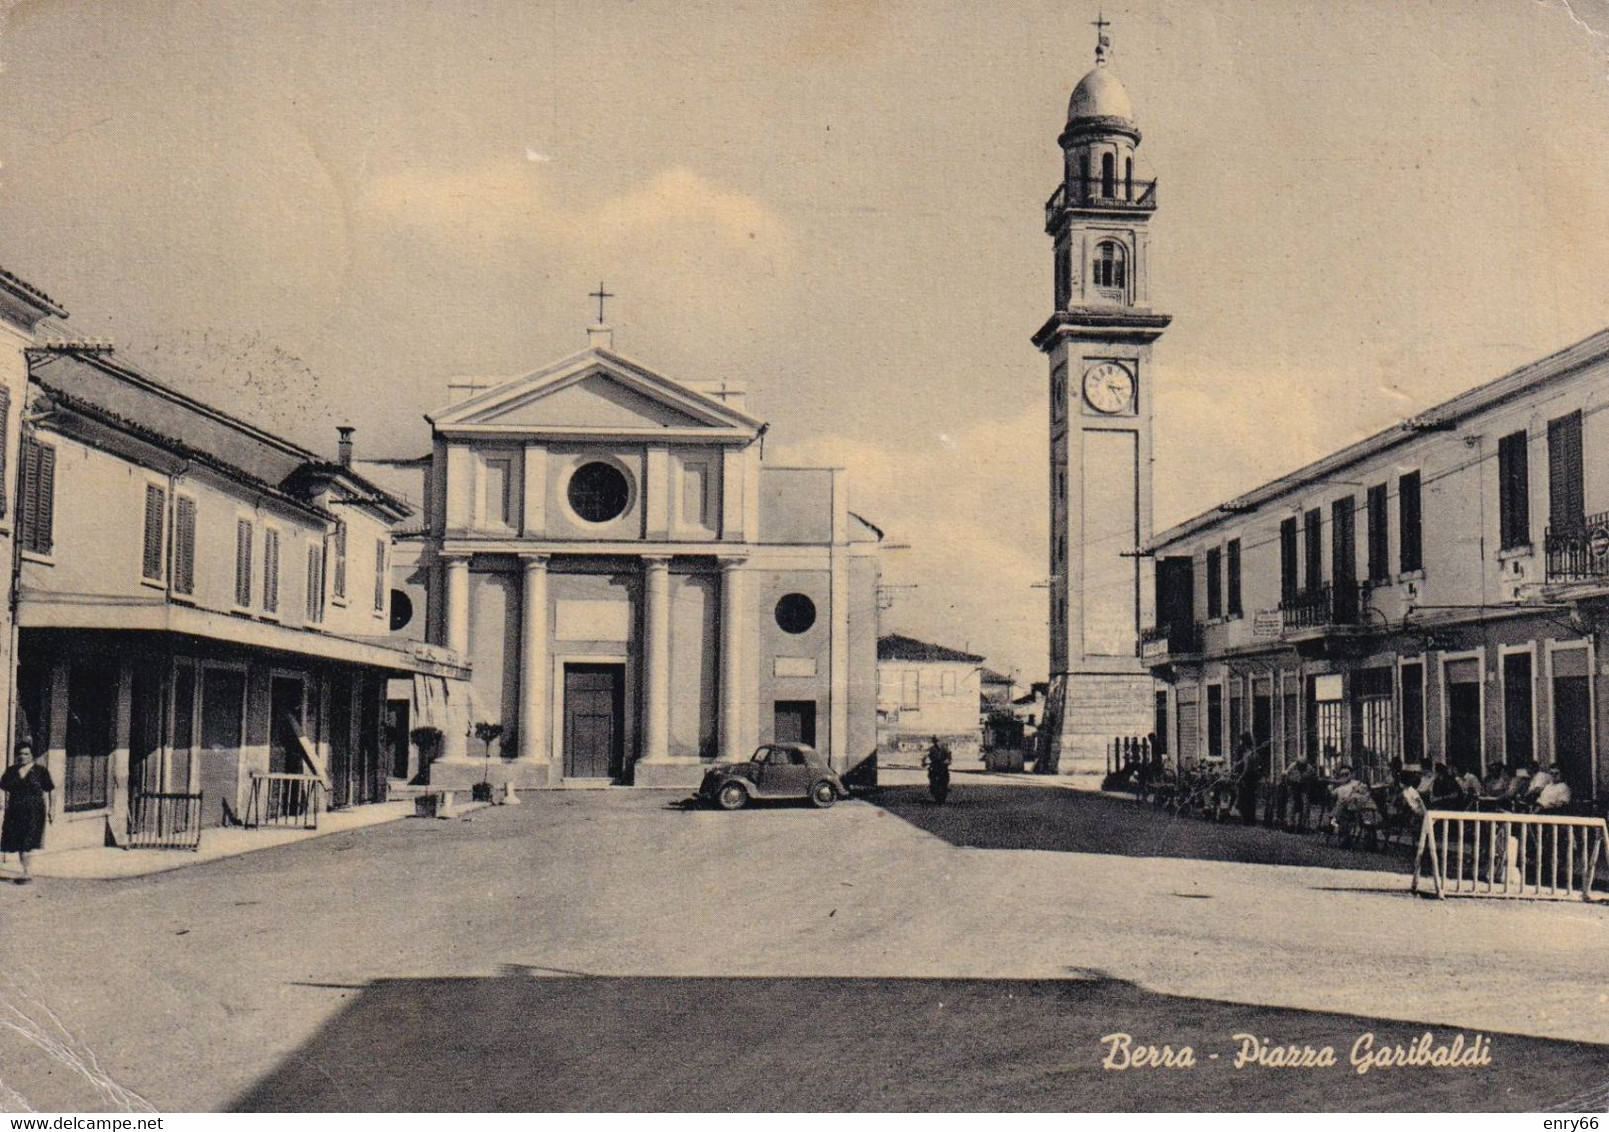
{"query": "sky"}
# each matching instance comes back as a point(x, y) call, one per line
point(321, 213)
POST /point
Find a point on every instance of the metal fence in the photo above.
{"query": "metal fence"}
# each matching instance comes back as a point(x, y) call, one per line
point(164, 821)
point(1528, 856)
point(287, 801)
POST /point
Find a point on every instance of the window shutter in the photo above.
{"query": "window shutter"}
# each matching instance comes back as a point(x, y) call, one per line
point(1232, 565)
point(5, 426)
point(184, 546)
point(1408, 520)
point(1379, 564)
point(270, 570)
point(1566, 502)
point(45, 503)
point(340, 560)
point(1287, 560)
point(156, 501)
point(315, 583)
point(243, 541)
point(379, 575)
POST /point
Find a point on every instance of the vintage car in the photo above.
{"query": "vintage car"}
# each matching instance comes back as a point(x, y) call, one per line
point(775, 770)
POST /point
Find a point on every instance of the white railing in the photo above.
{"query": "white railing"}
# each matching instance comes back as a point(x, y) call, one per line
point(1528, 856)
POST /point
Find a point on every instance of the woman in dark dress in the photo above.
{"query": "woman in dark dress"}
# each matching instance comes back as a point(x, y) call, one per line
point(27, 787)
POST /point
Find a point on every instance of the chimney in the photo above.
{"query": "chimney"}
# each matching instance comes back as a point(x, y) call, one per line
point(600, 337)
point(344, 447)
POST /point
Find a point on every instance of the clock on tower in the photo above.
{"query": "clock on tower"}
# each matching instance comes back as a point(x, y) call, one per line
point(1098, 340)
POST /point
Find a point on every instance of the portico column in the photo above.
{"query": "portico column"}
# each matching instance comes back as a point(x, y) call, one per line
point(455, 634)
point(656, 659)
point(533, 738)
point(732, 741)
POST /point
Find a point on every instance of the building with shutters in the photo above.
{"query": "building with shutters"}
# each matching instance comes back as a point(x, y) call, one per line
point(637, 590)
point(1436, 592)
point(200, 604)
point(926, 691)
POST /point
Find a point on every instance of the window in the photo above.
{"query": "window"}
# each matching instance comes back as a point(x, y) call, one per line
point(315, 582)
point(1109, 265)
point(1513, 491)
point(1379, 526)
point(1566, 503)
point(1326, 723)
point(340, 560)
point(1343, 543)
point(1233, 568)
point(1128, 178)
point(497, 482)
point(156, 512)
point(1375, 711)
point(184, 545)
point(1313, 537)
point(270, 570)
point(1064, 276)
point(1215, 583)
point(1409, 535)
point(243, 548)
point(38, 502)
point(795, 613)
point(1413, 712)
point(910, 690)
point(1108, 175)
point(1287, 560)
point(1058, 393)
point(380, 575)
point(598, 492)
point(401, 610)
point(1215, 721)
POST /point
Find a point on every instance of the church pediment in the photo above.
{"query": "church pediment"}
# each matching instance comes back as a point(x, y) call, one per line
point(594, 391)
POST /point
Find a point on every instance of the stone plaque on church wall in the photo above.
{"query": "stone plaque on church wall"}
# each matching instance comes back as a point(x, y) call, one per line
point(592, 621)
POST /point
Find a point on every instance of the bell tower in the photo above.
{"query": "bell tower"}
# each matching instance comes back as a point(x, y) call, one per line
point(1098, 342)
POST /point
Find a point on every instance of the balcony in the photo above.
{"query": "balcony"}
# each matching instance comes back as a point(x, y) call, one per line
point(1161, 644)
point(1332, 604)
point(1092, 192)
point(1579, 551)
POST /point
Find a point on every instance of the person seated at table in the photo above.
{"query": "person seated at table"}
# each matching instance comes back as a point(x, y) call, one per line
point(1469, 784)
point(1354, 803)
point(1412, 801)
point(1541, 779)
point(1519, 784)
point(1496, 783)
point(1446, 792)
point(1554, 796)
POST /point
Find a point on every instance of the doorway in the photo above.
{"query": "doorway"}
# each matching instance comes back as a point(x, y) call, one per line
point(288, 726)
point(1572, 721)
point(1463, 715)
point(794, 721)
point(594, 720)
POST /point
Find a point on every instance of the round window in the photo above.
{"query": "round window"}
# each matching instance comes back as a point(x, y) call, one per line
point(401, 610)
point(796, 613)
point(599, 492)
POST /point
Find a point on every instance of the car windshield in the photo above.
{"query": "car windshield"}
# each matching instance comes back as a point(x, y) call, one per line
point(761, 755)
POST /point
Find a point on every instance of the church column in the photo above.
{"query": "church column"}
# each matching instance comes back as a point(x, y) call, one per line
point(533, 736)
point(656, 659)
point(455, 631)
point(732, 739)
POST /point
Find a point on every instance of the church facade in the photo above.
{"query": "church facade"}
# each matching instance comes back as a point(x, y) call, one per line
point(1098, 343)
point(637, 591)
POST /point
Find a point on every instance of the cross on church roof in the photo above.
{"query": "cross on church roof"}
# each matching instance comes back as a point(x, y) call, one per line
point(600, 294)
point(1102, 41)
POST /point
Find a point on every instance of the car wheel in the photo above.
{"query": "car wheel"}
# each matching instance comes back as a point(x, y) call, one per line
point(823, 794)
point(732, 797)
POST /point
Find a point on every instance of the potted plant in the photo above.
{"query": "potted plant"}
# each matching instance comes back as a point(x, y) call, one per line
point(487, 732)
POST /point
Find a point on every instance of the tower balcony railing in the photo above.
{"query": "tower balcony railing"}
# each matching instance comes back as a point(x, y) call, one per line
point(1333, 603)
point(1578, 551)
point(1095, 192)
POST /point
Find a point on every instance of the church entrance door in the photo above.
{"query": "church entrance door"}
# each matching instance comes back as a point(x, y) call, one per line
point(594, 720)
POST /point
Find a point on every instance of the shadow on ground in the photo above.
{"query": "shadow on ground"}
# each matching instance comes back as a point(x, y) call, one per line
point(1072, 821)
point(521, 1042)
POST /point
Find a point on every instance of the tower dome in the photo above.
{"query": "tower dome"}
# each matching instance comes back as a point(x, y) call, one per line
point(1100, 95)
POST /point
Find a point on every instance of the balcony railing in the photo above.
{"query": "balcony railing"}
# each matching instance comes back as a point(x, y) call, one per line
point(1093, 192)
point(1158, 642)
point(1330, 604)
point(1578, 551)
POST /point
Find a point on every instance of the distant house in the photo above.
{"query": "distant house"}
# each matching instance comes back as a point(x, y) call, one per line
point(995, 690)
point(925, 690)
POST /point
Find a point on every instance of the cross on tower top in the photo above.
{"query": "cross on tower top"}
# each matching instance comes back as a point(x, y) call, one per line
point(600, 294)
point(1103, 42)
